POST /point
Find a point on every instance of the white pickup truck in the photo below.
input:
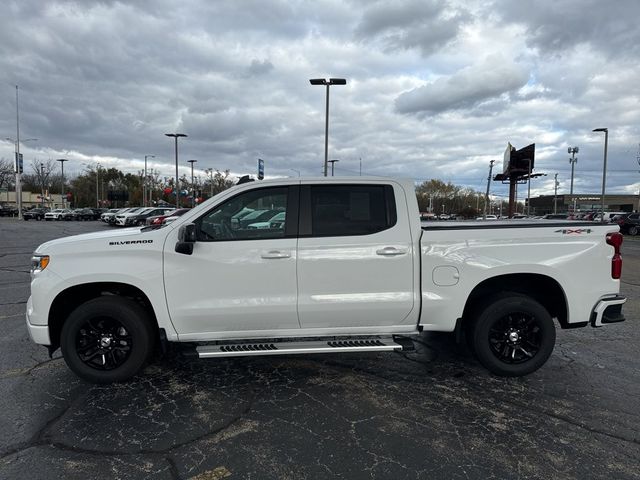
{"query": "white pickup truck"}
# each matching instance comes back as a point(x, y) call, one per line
point(350, 268)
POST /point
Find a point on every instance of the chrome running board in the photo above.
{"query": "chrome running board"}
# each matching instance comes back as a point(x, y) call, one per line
point(375, 344)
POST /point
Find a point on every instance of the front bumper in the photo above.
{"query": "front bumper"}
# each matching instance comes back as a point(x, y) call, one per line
point(608, 310)
point(38, 333)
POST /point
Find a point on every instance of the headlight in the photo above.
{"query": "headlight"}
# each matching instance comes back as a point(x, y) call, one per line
point(39, 263)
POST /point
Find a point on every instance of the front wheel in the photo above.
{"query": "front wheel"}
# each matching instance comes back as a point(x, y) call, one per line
point(513, 335)
point(633, 230)
point(107, 339)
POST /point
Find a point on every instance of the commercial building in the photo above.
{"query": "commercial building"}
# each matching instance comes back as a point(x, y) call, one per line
point(583, 203)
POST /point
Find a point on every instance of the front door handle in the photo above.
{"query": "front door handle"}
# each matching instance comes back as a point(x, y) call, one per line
point(391, 251)
point(275, 254)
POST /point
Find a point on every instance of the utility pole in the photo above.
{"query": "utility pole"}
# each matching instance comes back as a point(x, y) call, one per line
point(486, 196)
point(555, 194)
point(193, 190)
point(62, 160)
point(145, 181)
point(573, 160)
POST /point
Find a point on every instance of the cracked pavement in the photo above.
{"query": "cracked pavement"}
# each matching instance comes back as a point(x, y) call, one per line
point(432, 413)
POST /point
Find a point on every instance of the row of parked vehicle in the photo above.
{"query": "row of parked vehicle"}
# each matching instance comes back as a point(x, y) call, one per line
point(138, 216)
point(66, 214)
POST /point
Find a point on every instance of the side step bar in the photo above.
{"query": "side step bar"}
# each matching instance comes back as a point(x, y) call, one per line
point(378, 344)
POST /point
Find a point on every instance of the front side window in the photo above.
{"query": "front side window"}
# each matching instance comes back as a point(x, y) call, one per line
point(257, 214)
point(339, 210)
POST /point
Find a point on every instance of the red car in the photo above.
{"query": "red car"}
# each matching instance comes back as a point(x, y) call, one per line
point(157, 220)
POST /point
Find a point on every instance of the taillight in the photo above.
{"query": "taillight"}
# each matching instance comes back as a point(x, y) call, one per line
point(615, 240)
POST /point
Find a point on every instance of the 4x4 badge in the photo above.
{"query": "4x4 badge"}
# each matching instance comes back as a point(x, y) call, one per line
point(573, 231)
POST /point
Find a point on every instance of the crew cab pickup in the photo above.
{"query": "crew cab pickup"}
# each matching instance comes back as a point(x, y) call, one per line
point(350, 268)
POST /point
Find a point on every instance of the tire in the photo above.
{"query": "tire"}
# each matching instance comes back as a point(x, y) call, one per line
point(513, 335)
point(633, 230)
point(107, 339)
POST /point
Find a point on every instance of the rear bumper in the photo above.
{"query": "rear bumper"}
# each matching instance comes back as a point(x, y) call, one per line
point(608, 310)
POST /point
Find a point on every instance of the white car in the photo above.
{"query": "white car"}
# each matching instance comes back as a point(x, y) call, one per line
point(277, 221)
point(489, 217)
point(56, 214)
point(121, 218)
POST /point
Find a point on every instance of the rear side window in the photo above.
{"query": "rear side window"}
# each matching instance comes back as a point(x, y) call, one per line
point(341, 210)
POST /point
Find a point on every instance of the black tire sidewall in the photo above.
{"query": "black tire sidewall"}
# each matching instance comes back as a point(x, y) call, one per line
point(633, 230)
point(497, 309)
point(132, 317)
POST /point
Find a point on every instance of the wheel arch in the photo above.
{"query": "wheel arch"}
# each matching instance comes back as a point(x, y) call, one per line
point(542, 288)
point(71, 298)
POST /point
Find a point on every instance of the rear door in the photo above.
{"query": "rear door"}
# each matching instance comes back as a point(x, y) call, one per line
point(355, 257)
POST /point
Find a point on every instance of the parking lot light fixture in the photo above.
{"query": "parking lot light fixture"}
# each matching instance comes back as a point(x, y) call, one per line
point(604, 167)
point(175, 137)
point(327, 83)
point(145, 181)
point(62, 160)
point(193, 190)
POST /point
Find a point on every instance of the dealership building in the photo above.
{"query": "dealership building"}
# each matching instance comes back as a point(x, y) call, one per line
point(583, 203)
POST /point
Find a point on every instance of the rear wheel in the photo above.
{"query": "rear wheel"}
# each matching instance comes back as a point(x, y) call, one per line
point(107, 339)
point(633, 230)
point(513, 335)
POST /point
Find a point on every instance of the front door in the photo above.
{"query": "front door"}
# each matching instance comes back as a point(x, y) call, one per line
point(241, 276)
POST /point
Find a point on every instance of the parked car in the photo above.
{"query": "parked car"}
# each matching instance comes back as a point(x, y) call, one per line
point(8, 210)
point(355, 263)
point(56, 214)
point(106, 216)
point(121, 218)
point(277, 221)
point(85, 214)
point(34, 214)
point(630, 223)
point(140, 217)
point(557, 216)
point(489, 217)
point(175, 215)
point(158, 219)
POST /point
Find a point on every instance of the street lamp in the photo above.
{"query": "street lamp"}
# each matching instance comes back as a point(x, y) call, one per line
point(62, 160)
point(193, 190)
point(42, 181)
point(17, 169)
point(604, 168)
point(327, 83)
point(176, 136)
point(298, 171)
point(332, 162)
point(573, 160)
point(144, 183)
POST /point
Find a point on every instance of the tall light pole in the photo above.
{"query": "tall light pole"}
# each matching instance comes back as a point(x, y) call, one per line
point(555, 194)
point(332, 162)
point(18, 172)
point(529, 189)
point(604, 168)
point(327, 83)
point(144, 183)
point(573, 160)
point(486, 195)
point(193, 190)
point(175, 137)
point(62, 160)
point(209, 171)
point(97, 188)
point(42, 181)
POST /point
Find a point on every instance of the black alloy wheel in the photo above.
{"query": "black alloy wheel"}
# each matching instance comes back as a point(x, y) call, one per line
point(103, 343)
point(107, 339)
point(513, 335)
point(633, 230)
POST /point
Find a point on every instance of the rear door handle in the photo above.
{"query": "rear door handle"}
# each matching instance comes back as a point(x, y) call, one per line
point(275, 254)
point(391, 251)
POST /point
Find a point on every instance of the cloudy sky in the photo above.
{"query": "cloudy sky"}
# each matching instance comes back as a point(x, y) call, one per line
point(435, 89)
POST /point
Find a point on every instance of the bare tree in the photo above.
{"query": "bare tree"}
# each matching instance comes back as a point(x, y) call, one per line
point(6, 173)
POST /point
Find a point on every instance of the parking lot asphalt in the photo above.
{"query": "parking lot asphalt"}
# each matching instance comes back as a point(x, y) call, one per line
point(434, 413)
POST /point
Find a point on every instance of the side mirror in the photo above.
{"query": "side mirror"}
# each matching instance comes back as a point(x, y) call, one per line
point(186, 239)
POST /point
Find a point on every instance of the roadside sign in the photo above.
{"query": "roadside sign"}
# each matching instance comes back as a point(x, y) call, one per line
point(260, 169)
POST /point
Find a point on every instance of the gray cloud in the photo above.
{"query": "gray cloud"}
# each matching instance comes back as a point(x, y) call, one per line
point(464, 89)
point(554, 26)
point(423, 24)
